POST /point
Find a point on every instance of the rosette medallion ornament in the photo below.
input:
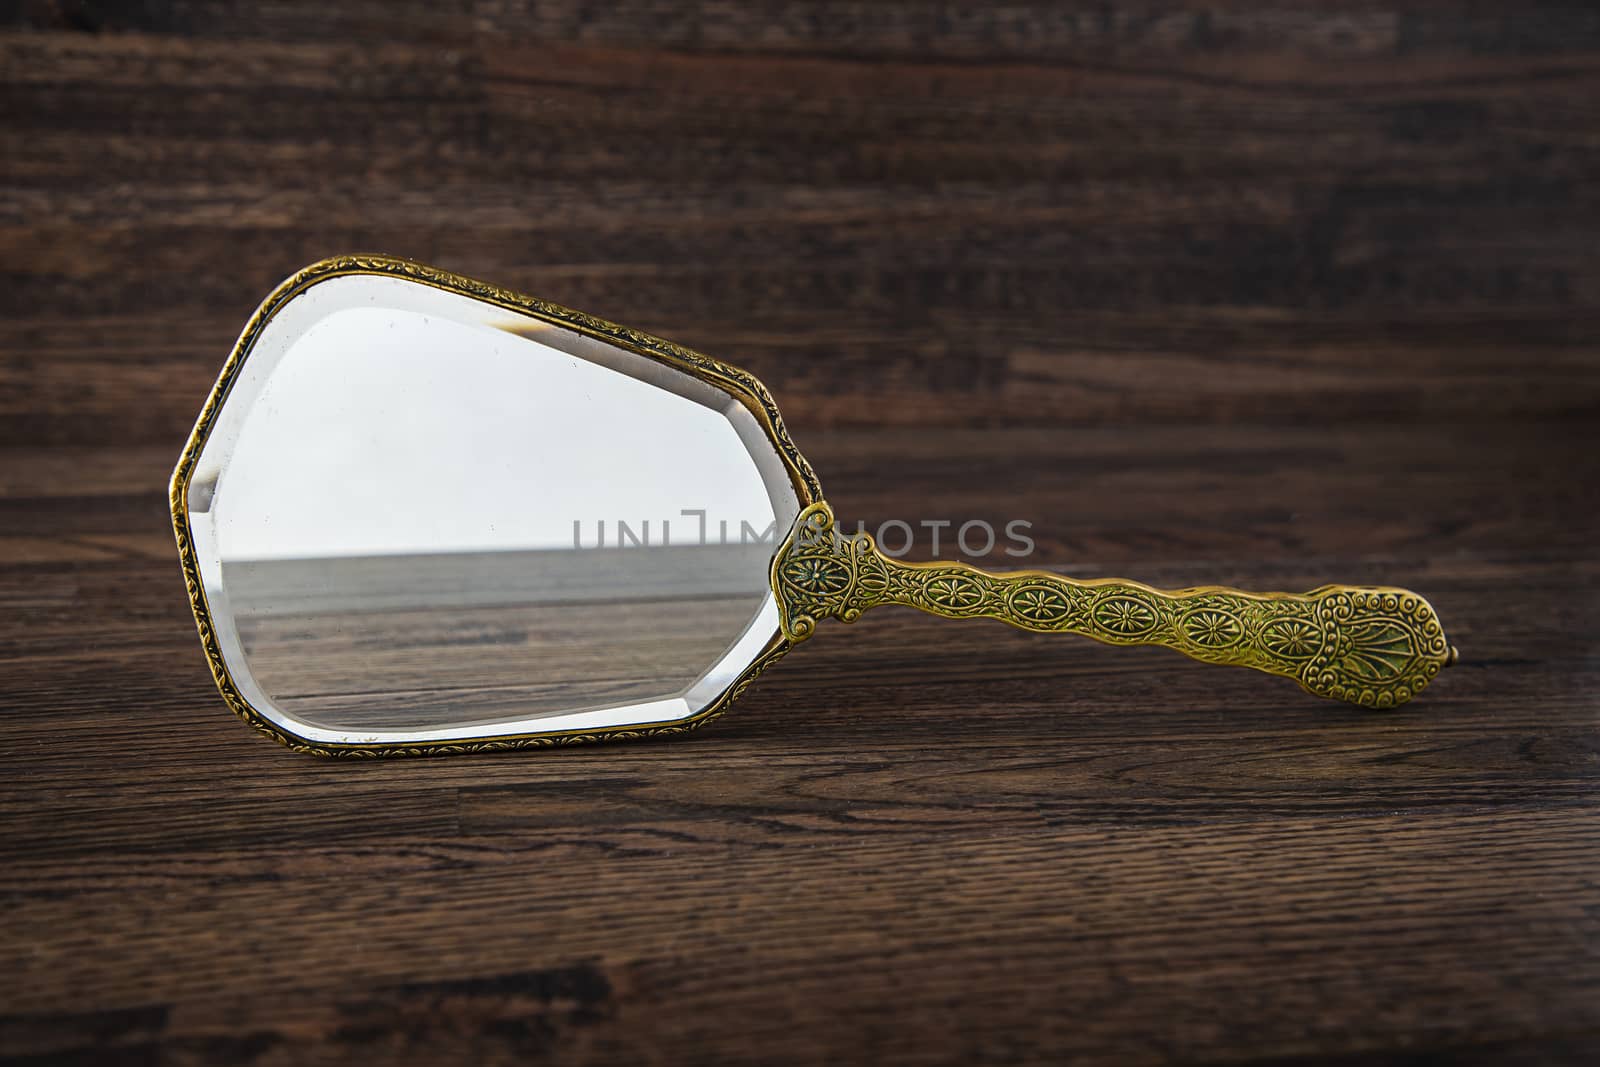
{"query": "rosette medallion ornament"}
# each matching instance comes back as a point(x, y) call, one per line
point(422, 514)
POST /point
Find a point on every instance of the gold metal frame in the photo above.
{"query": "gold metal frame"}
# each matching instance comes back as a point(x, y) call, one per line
point(740, 384)
point(1374, 646)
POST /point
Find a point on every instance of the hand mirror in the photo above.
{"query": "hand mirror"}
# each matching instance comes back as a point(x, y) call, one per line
point(419, 513)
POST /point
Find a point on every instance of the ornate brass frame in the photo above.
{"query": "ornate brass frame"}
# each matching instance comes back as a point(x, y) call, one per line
point(1374, 646)
point(739, 383)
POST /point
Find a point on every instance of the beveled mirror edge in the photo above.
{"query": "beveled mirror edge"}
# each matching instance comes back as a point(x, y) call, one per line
point(742, 385)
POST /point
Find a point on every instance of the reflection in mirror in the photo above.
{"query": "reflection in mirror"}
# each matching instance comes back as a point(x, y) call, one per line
point(421, 515)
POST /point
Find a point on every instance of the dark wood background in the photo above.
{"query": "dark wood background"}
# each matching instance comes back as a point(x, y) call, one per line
point(1270, 294)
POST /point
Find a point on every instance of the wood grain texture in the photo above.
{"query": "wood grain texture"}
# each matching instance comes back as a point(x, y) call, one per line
point(1260, 294)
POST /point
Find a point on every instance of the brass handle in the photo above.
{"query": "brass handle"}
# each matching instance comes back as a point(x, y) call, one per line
point(1370, 645)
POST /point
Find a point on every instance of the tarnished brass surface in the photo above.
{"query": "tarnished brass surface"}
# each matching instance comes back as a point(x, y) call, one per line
point(1370, 645)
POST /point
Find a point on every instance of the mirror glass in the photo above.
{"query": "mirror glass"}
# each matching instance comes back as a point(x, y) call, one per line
point(423, 516)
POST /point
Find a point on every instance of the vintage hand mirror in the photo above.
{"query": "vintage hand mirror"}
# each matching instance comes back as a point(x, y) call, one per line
point(420, 514)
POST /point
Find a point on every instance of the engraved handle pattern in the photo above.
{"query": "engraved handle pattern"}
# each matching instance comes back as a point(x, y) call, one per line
point(1370, 645)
